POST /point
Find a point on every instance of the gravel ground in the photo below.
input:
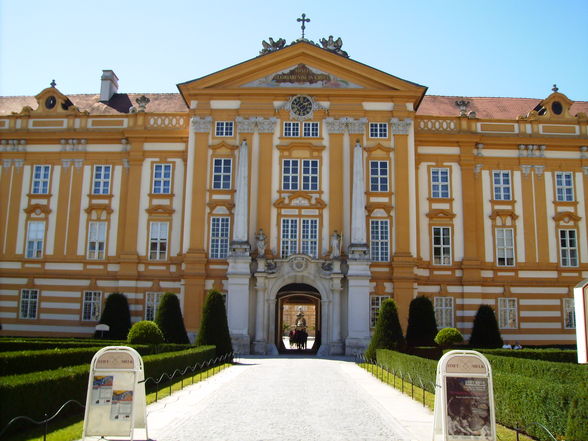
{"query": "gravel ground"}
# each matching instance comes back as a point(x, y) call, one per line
point(289, 398)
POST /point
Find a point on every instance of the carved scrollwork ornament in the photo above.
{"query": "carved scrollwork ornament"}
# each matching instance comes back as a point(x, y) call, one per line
point(201, 125)
point(400, 127)
point(246, 125)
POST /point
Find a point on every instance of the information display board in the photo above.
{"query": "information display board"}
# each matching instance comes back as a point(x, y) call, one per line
point(464, 399)
point(115, 402)
point(581, 310)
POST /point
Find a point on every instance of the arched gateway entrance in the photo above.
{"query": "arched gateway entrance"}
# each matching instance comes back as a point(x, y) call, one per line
point(298, 319)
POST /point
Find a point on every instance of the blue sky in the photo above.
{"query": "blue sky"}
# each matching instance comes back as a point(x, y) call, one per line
point(463, 48)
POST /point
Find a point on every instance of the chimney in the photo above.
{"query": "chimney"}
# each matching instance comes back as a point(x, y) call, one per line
point(108, 85)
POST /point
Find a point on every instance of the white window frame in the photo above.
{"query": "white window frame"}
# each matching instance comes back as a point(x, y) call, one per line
point(35, 240)
point(102, 177)
point(41, 179)
point(288, 236)
point(220, 230)
point(290, 174)
point(162, 178)
point(152, 300)
point(569, 313)
point(378, 130)
point(291, 129)
point(224, 129)
point(440, 188)
point(29, 304)
point(502, 184)
point(380, 240)
point(309, 175)
point(97, 240)
point(379, 176)
point(91, 306)
point(508, 316)
point(299, 235)
point(568, 247)
point(309, 237)
point(441, 246)
point(564, 186)
point(221, 177)
point(310, 129)
point(300, 174)
point(444, 312)
point(158, 240)
point(375, 305)
point(505, 250)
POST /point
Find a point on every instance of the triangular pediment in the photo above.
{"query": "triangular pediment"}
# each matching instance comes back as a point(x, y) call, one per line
point(301, 66)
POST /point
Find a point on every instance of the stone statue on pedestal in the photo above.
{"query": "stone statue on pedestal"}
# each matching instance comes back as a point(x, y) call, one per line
point(335, 245)
point(300, 320)
point(260, 241)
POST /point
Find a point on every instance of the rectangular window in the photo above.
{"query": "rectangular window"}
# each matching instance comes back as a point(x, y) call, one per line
point(158, 240)
point(444, 312)
point(289, 237)
point(309, 239)
point(310, 129)
point(222, 171)
point(439, 182)
point(219, 237)
point(568, 247)
point(35, 238)
point(291, 129)
point(379, 240)
point(375, 304)
point(151, 304)
point(507, 313)
point(101, 184)
point(162, 177)
point(41, 174)
point(564, 186)
point(290, 174)
point(441, 246)
point(378, 130)
point(310, 174)
point(96, 240)
point(224, 128)
point(92, 306)
point(378, 175)
point(505, 255)
point(502, 185)
point(569, 314)
point(29, 301)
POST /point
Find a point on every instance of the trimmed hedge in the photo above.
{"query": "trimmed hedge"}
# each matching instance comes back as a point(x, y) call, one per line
point(21, 362)
point(520, 399)
point(556, 355)
point(37, 345)
point(35, 393)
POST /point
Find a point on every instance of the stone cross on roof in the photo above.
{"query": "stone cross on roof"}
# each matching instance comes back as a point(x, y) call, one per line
point(304, 20)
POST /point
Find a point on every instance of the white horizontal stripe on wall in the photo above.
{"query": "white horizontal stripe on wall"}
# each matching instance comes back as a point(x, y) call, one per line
point(466, 313)
point(464, 325)
point(12, 281)
point(540, 314)
point(545, 274)
point(540, 325)
point(538, 290)
point(70, 317)
point(7, 315)
point(48, 328)
point(60, 305)
point(64, 266)
point(475, 301)
point(66, 282)
point(521, 337)
point(8, 303)
point(539, 302)
point(67, 294)
point(134, 295)
point(8, 292)
point(136, 307)
point(434, 288)
point(124, 283)
point(10, 265)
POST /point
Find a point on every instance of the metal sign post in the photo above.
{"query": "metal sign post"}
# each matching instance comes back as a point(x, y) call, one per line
point(464, 400)
point(115, 402)
point(581, 311)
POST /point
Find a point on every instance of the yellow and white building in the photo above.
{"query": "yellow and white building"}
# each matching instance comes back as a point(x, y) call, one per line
point(363, 187)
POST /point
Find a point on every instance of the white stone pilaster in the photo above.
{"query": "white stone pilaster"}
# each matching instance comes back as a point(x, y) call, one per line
point(358, 248)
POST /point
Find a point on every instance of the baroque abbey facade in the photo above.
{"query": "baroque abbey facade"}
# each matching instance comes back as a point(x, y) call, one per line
point(297, 177)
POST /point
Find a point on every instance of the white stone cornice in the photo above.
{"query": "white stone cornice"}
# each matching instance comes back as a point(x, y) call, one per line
point(356, 126)
point(265, 125)
point(201, 125)
point(246, 125)
point(400, 127)
point(335, 125)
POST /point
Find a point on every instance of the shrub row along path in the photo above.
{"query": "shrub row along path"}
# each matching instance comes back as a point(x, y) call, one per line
point(290, 398)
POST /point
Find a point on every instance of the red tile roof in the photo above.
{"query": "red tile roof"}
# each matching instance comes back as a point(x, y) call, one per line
point(434, 105)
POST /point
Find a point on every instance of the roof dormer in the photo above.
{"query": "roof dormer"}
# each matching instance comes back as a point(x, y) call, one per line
point(51, 101)
point(555, 106)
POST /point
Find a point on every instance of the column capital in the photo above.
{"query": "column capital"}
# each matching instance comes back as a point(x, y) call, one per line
point(201, 125)
point(400, 127)
point(334, 125)
point(266, 125)
point(246, 125)
point(354, 126)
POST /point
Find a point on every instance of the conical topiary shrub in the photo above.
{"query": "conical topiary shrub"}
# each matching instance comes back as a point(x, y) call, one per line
point(388, 332)
point(214, 329)
point(117, 316)
point(485, 333)
point(170, 321)
point(422, 326)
